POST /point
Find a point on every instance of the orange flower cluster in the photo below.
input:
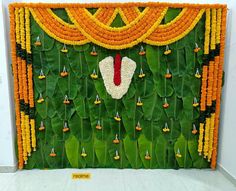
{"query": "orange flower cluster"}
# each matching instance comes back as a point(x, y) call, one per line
point(117, 38)
point(215, 81)
point(204, 88)
point(114, 5)
point(30, 77)
point(55, 28)
point(219, 87)
point(129, 14)
point(210, 83)
point(76, 34)
point(23, 82)
point(24, 79)
point(16, 87)
point(173, 31)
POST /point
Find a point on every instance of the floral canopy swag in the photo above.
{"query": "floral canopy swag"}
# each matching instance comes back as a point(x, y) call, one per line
point(133, 85)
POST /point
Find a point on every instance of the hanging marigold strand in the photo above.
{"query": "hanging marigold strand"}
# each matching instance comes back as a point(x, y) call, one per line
point(24, 79)
point(203, 88)
point(22, 114)
point(211, 134)
point(219, 87)
point(16, 88)
point(206, 137)
point(218, 25)
point(209, 127)
point(213, 29)
point(214, 46)
point(30, 78)
point(202, 108)
point(200, 139)
point(215, 82)
point(207, 31)
point(204, 81)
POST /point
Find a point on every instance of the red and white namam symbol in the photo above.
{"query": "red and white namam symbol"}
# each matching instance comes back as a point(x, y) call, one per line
point(117, 74)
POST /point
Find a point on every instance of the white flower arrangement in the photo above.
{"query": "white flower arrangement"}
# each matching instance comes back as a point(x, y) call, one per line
point(106, 67)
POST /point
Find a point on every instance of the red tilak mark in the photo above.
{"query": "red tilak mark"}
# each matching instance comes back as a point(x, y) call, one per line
point(117, 68)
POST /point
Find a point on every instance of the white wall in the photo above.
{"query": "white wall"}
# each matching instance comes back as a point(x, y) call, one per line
point(7, 130)
point(227, 154)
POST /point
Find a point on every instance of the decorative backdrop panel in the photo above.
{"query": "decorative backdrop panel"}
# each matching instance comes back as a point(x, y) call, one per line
point(134, 85)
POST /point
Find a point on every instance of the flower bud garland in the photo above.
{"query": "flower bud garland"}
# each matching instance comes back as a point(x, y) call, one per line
point(211, 136)
point(13, 14)
point(30, 78)
point(219, 86)
point(218, 25)
point(213, 29)
point(20, 78)
point(200, 139)
point(24, 77)
point(207, 31)
point(204, 79)
point(210, 127)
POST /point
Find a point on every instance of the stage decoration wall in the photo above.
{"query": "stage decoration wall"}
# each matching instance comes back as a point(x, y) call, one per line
point(134, 85)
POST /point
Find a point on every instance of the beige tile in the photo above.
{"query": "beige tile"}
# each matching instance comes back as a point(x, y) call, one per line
point(116, 180)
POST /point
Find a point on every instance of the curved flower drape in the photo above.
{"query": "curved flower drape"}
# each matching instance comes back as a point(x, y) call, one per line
point(142, 26)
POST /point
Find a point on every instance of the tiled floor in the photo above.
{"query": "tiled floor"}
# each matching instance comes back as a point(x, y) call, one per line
point(116, 180)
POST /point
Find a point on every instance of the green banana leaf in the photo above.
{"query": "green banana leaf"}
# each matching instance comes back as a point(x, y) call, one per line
point(132, 152)
point(181, 145)
point(72, 147)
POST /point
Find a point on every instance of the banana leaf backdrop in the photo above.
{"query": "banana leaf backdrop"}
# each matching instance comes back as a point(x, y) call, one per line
point(82, 114)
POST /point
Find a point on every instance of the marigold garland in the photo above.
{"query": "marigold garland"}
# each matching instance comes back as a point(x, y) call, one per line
point(213, 30)
point(215, 81)
point(20, 78)
point(13, 14)
point(202, 107)
point(204, 88)
point(210, 83)
point(24, 79)
point(114, 5)
point(218, 25)
point(211, 136)
point(163, 35)
point(178, 32)
point(219, 87)
point(207, 31)
point(200, 139)
point(206, 137)
point(30, 78)
point(54, 34)
point(21, 110)
point(98, 33)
